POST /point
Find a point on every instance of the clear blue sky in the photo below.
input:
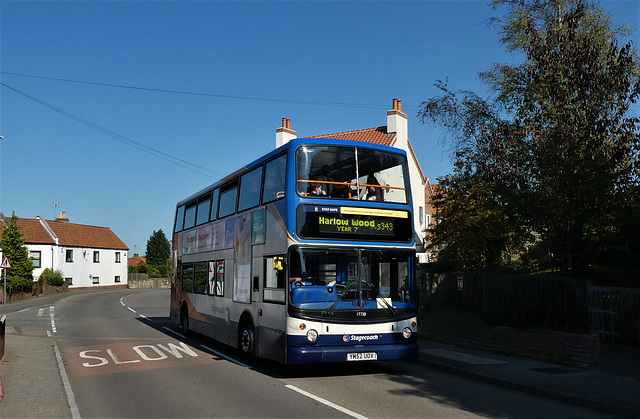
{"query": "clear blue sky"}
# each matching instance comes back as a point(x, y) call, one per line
point(107, 155)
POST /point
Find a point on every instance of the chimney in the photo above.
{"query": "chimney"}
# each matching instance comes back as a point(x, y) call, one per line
point(284, 134)
point(397, 123)
point(62, 217)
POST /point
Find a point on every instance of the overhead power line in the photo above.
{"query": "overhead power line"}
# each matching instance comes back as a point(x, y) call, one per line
point(221, 96)
point(140, 146)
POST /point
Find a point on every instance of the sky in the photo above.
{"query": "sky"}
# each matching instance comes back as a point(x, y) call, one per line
point(113, 111)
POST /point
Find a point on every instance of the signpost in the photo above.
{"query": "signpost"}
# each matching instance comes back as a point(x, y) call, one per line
point(5, 265)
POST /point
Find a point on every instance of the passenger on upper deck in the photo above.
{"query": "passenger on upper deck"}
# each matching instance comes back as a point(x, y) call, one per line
point(317, 190)
point(373, 191)
point(325, 175)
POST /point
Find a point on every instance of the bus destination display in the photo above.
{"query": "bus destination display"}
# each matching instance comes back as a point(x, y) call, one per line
point(353, 223)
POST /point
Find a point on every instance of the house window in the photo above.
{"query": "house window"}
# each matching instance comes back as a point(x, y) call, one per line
point(117, 279)
point(95, 280)
point(69, 281)
point(96, 256)
point(427, 221)
point(35, 256)
point(117, 257)
point(69, 256)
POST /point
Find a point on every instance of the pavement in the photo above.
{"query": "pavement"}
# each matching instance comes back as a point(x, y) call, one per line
point(33, 375)
point(610, 385)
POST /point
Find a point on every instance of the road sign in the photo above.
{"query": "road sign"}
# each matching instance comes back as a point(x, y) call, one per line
point(5, 263)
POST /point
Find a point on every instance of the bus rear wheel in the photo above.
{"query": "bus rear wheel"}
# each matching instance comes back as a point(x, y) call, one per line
point(247, 340)
point(184, 319)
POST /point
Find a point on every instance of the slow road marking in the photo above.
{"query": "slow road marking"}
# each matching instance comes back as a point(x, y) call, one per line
point(127, 357)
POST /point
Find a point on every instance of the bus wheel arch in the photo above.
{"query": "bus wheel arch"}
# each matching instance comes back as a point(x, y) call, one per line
point(247, 336)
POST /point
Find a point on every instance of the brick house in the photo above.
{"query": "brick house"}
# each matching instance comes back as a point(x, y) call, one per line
point(87, 256)
point(136, 260)
point(394, 134)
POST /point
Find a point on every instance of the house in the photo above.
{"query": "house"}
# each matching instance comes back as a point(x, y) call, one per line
point(394, 134)
point(87, 256)
point(136, 260)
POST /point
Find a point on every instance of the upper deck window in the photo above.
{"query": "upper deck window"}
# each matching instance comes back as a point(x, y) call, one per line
point(351, 173)
point(190, 216)
point(179, 219)
point(250, 189)
point(228, 198)
point(274, 179)
point(204, 207)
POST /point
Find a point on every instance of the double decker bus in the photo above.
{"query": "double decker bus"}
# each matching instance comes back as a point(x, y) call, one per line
point(305, 255)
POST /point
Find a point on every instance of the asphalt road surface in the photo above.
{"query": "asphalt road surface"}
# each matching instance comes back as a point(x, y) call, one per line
point(121, 357)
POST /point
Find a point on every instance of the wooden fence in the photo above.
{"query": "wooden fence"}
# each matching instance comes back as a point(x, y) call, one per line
point(614, 314)
point(546, 302)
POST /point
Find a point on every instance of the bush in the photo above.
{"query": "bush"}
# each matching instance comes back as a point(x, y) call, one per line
point(153, 271)
point(53, 278)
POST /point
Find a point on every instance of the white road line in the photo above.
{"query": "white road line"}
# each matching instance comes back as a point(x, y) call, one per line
point(228, 358)
point(53, 320)
point(40, 312)
point(326, 402)
point(174, 332)
point(132, 310)
point(75, 413)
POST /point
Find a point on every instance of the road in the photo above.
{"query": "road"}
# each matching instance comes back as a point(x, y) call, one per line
point(123, 358)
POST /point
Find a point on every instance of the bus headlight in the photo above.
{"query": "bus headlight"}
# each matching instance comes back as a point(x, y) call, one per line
point(312, 336)
point(406, 333)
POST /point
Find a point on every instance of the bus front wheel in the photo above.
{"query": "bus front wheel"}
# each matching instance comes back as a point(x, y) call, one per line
point(247, 340)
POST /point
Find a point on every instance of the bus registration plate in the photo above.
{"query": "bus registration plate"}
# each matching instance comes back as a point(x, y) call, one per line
point(362, 356)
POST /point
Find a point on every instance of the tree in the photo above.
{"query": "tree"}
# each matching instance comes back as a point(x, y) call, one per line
point(556, 147)
point(19, 277)
point(158, 249)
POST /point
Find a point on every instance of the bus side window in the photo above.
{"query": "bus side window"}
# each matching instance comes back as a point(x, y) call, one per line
point(187, 277)
point(228, 198)
point(219, 290)
point(249, 196)
point(274, 179)
point(179, 219)
point(200, 278)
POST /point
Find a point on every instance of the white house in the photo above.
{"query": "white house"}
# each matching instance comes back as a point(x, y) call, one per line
point(394, 134)
point(87, 256)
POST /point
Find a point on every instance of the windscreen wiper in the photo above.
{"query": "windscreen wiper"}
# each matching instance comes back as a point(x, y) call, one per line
point(388, 306)
point(329, 311)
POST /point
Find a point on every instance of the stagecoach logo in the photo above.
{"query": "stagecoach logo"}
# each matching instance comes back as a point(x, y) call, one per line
point(358, 338)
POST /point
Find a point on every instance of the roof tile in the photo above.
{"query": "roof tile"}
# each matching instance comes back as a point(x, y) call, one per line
point(376, 135)
point(71, 235)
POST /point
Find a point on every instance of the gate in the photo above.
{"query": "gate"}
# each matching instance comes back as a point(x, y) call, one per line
point(614, 314)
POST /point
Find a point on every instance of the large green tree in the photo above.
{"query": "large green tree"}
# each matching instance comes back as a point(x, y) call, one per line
point(557, 147)
point(19, 277)
point(158, 249)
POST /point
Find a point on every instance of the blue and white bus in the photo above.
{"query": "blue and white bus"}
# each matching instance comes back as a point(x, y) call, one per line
point(305, 255)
